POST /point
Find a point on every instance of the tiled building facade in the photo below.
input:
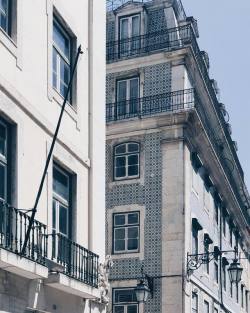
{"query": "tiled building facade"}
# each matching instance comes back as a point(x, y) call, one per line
point(172, 172)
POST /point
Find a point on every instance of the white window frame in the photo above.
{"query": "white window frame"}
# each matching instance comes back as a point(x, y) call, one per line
point(126, 155)
point(128, 81)
point(126, 226)
point(60, 55)
point(125, 305)
point(195, 305)
point(129, 18)
point(59, 200)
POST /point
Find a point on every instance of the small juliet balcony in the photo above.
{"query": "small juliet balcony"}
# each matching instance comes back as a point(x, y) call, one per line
point(151, 105)
point(13, 228)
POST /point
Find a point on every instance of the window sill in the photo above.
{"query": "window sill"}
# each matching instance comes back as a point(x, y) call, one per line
point(127, 181)
point(127, 255)
point(69, 109)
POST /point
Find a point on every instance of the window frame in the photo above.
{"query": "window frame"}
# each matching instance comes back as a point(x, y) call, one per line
point(216, 271)
point(125, 304)
point(126, 226)
point(206, 305)
point(59, 200)
point(4, 160)
point(61, 56)
point(126, 155)
point(195, 309)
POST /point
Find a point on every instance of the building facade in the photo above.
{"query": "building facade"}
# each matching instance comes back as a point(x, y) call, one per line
point(39, 40)
point(174, 184)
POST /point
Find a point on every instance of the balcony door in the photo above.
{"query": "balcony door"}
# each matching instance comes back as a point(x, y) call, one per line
point(129, 35)
point(128, 97)
point(61, 214)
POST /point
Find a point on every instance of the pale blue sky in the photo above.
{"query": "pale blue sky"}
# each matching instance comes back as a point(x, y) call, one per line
point(224, 27)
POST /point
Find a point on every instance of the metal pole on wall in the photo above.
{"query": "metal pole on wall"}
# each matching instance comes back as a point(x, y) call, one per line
point(34, 210)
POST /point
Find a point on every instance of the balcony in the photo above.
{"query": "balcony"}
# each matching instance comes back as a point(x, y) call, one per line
point(13, 227)
point(62, 262)
point(152, 105)
point(165, 40)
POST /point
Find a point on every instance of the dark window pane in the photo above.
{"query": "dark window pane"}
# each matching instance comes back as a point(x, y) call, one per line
point(133, 218)
point(120, 233)
point(4, 5)
point(133, 232)
point(133, 147)
point(120, 172)
point(60, 183)
point(3, 139)
point(63, 89)
point(133, 170)
point(120, 149)
point(3, 22)
point(125, 296)
point(64, 72)
point(61, 41)
point(63, 220)
point(119, 220)
point(122, 91)
point(120, 161)
point(2, 181)
point(54, 60)
point(132, 244)
point(133, 159)
point(119, 245)
point(132, 308)
point(119, 309)
point(54, 80)
point(54, 214)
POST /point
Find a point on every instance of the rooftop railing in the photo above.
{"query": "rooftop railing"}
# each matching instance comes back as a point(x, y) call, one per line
point(13, 227)
point(151, 105)
point(76, 261)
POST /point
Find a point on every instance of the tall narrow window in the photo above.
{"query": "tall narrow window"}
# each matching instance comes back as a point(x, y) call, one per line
point(206, 307)
point(61, 58)
point(124, 301)
point(246, 299)
point(126, 161)
point(3, 160)
point(242, 295)
point(61, 202)
point(194, 302)
point(237, 292)
point(5, 16)
point(196, 227)
point(207, 242)
point(127, 96)
point(216, 271)
point(129, 35)
point(126, 230)
point(224, 277)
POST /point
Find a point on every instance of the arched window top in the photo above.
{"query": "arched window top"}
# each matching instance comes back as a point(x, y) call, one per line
point(126, 160)
point(128, 147)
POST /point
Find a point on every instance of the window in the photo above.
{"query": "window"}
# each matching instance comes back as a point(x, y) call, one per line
point(61, 58)
point(216, 310)
point(124, 301)
point(224, 277)
point(196, 227)
point(224, 224)
point(231, 289)
point(194, 302)
point(61, 202)
point(207, 242)
point(127, 94)
point(237, 292)
point(206, 307)
point(126, 230)
point(5, 16)
point(231, 235)
point(216, 271)
point(242, 296)
point(126, 161)
point(3, 160)
point(216, 212)
point(129, 34)
point(246, 296)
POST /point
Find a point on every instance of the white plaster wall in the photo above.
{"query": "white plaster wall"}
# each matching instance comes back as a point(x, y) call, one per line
point(28, 101)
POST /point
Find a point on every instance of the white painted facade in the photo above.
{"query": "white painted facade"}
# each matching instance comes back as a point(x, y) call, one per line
point(30, 106)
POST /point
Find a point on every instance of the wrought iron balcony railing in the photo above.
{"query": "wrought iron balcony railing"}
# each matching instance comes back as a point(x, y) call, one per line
point(13, 227)
point(146, 106)
point(76, 261)
point(168, 39)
